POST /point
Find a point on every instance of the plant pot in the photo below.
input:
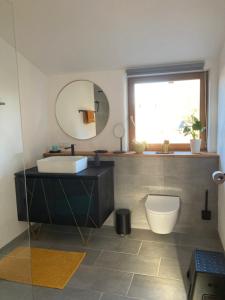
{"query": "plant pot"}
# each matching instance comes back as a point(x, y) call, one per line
point(139, 148)
point(195, 145)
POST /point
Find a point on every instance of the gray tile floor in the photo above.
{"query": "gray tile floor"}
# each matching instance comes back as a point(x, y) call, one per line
point(141, 266)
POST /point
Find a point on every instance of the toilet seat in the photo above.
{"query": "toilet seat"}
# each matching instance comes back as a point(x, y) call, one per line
point(161, 204)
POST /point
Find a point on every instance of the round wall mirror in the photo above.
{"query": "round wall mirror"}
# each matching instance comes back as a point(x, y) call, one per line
point(82, 109)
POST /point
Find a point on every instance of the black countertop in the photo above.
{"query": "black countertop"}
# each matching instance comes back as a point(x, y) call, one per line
point(91, 172)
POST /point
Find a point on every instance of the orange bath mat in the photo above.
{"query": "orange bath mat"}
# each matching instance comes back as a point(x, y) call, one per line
point(41, 267)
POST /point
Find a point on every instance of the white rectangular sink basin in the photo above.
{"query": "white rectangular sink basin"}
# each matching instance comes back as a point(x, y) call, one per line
point(62, 164)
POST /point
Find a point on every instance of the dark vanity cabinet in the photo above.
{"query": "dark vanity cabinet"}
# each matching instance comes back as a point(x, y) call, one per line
point(82, 199)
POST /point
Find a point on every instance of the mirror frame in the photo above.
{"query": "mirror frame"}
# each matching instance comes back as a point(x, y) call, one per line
point(56, 115)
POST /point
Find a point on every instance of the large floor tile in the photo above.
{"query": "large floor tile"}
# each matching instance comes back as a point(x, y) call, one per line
point(76, 232)
point(101, 279)
point(153, 288)
point(129, 263)
point(116, 297)
point(202, 242)
point(148, 235)
point(65, 294)
point(58, 237)
point(97, 242)
point(156, 249)
point(173, 268)
point(21, 241)
point(59, 228)
point(119, 244)
point(11, 291)
point(91, 254)
point(108, 231)
point(41, 244)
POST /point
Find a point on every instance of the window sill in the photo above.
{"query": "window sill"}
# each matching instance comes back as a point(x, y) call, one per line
point(146, 154)
point(181, 154)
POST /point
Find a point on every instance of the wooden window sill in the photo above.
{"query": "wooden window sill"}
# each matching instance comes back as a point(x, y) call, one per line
point(146, 154)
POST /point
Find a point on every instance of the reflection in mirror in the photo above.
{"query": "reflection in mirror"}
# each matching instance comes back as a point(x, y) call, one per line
point(82, 109)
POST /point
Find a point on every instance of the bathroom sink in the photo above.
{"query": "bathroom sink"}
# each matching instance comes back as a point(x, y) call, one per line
point(62, 164)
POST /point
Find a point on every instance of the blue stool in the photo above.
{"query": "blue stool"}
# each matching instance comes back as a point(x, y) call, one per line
point(207, 276)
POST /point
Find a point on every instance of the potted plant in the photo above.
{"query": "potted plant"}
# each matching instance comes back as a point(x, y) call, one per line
point(193, 126)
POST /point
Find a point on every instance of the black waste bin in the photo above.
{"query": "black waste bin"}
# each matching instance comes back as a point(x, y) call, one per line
point(123, 221)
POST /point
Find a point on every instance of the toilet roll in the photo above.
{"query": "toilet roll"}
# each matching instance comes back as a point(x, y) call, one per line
point(218, 177)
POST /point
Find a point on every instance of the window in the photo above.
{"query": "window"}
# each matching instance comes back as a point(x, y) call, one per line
point(158, 105)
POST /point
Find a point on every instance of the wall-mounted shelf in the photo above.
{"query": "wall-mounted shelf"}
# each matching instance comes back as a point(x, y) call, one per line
point(146, 154)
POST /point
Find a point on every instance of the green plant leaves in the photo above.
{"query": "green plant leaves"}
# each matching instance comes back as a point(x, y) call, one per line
point(186, 130)
point(192, 126)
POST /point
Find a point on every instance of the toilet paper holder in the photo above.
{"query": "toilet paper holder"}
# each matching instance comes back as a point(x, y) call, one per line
point(218, 177)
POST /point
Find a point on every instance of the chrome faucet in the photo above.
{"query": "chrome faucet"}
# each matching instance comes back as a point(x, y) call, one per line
point(72, 147)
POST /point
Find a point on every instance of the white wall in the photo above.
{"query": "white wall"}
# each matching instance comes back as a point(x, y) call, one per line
point(33, 98)
point(11, 149)
point(221, 145)
point(33, 95)
point(113, 83)
point(213, 66)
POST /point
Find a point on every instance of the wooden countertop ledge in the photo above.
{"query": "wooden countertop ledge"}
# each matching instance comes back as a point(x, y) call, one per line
point(134, 154)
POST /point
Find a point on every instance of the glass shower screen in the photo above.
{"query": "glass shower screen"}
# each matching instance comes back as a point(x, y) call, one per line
point(15, 260)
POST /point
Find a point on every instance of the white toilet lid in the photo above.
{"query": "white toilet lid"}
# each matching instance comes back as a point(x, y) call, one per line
point(162, 204)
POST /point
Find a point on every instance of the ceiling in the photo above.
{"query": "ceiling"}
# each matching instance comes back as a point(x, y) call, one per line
point(82, 35)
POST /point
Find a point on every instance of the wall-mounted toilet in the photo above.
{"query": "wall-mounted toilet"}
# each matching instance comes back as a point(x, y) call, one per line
point(162, 212)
